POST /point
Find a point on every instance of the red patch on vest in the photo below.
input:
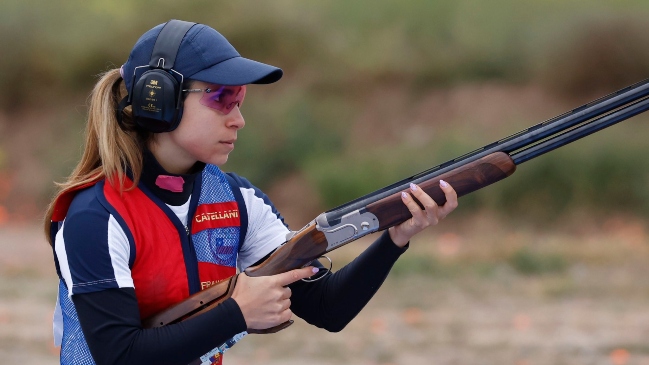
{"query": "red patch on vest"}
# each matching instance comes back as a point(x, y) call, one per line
point(159, 273)
point(212, 274)
point(217, 215)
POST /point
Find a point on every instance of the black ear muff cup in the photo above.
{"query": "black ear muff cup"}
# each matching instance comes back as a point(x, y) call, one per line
point(155, 98)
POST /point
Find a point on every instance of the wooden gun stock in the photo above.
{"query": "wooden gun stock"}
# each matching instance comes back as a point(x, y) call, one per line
point(194, 305)
point(309, 243)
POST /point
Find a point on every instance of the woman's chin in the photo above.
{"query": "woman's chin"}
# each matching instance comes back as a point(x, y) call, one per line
point(218, 160)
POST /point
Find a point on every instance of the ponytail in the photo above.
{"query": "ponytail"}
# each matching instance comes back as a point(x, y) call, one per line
point(110, 149)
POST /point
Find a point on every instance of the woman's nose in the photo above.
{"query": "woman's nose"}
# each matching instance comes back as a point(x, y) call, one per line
point(235, 119)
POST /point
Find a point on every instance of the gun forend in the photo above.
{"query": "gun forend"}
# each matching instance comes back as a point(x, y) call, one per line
point(465, 179)
point(389, 211)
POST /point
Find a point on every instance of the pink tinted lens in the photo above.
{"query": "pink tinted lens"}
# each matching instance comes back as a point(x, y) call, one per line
point(223, 98)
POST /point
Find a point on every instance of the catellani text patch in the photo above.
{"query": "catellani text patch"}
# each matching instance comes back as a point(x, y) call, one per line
point(217, 215)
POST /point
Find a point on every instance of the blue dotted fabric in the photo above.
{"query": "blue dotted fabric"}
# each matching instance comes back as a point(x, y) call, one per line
point(74, 349)
point(220, 245)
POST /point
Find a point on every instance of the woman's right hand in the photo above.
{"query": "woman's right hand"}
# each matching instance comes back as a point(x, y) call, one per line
point(265, 301)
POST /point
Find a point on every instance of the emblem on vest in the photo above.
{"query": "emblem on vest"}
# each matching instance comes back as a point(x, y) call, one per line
point(216, 215)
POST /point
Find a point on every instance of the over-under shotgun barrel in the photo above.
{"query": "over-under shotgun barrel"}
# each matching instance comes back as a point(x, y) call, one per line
point(517, 141)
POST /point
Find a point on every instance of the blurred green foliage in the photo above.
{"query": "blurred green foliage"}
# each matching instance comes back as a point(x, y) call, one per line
point(421, 265)
point(528, 262)
point(335, 53)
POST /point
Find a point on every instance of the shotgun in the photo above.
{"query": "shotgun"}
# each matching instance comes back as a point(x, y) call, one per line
point(384, 208)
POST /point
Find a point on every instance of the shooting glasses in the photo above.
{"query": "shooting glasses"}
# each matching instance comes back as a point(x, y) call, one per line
point(221, 97)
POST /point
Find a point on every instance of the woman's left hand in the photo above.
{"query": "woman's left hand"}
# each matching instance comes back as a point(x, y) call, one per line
point(421, 219)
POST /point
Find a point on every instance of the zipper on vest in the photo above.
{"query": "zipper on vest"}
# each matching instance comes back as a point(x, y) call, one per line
point(194, 275)
point(191, 261)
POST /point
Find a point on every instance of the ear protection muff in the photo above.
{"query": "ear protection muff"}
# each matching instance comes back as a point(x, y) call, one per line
point(156, 96)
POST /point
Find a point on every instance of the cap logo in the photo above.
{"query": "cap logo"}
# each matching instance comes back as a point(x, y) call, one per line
point(152, 93)
point(154, 82)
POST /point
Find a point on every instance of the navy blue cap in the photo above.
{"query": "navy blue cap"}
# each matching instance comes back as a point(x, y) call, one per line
point(204, 55)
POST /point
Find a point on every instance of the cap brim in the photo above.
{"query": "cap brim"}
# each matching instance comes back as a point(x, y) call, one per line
point(239, 71)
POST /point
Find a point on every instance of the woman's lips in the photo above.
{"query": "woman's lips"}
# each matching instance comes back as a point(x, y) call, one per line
point(229, 143)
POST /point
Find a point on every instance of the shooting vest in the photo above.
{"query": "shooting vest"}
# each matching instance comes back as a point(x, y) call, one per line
point(168, 261)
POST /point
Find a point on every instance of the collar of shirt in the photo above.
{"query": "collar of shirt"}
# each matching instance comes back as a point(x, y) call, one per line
point(172, 189)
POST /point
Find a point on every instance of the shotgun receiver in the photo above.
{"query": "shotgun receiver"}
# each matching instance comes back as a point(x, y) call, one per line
point(383, 208)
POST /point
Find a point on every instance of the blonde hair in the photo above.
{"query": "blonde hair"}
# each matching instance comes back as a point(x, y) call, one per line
point(110, 150)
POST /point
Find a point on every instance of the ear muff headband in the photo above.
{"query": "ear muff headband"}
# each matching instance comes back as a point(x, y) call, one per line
point(156, 96)
point(167, 44)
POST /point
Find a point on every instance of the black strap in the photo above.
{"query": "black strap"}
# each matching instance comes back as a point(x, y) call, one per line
point(168, 42)
point(119, 112)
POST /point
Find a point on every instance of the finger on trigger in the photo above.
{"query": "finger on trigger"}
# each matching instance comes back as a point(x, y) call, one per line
point(292, 276)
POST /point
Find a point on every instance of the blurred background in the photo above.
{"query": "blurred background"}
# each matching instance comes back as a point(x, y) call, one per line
point(545, 267)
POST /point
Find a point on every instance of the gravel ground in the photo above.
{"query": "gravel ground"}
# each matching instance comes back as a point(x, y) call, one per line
point(585, 314)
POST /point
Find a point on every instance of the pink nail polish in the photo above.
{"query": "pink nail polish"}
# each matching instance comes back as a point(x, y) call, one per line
point(413, 187)
point(404, 195)
point(443, 183)
point(315, 270)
